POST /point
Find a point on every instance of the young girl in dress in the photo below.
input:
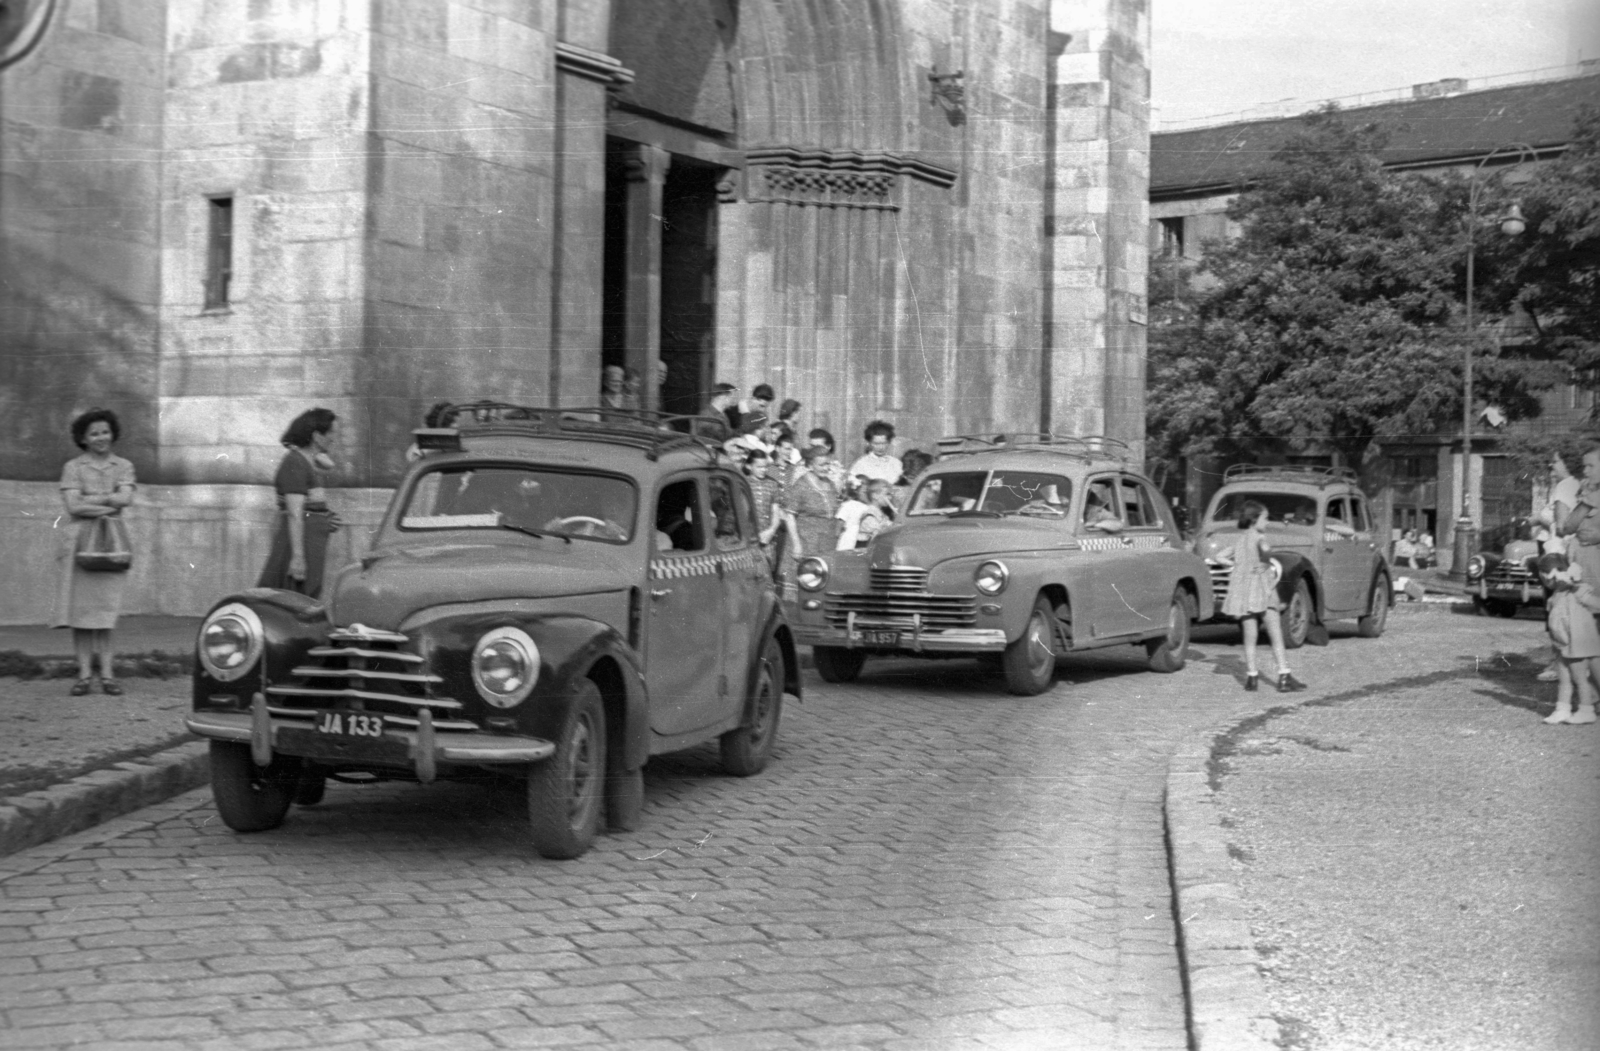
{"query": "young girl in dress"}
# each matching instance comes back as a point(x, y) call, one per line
point(1570, 621)
point(1253, 597)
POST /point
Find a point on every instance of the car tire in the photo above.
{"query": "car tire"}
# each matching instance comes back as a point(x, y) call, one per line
point(625, 800)
point(1297, 616)
point(251, 798)
point(837, 664)
point(310, 788)
point(1499, 607)
point(1030, 662)
point(566, 792)
point(745, 751)
point(1372, 625)
point(1170, 652)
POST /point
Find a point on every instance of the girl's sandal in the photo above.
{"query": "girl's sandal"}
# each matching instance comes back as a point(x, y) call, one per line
point(111, 687)
point(81, 688)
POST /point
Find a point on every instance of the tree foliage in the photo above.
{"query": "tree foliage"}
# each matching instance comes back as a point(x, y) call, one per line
point(1334, 317)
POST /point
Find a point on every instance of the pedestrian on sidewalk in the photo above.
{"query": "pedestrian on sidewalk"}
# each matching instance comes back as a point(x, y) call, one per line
point(95, 485)
point(1252, 596)
point(876, 462)
point(300, 542)
point(1570, 620)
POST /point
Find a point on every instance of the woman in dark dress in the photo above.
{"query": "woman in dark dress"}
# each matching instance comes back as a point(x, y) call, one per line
point(300, 542)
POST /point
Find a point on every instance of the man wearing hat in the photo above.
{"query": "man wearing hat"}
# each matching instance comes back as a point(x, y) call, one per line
point(723, 401)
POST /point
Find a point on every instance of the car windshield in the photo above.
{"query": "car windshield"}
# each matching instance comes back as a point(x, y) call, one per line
point(1283, 508)
point(524, 499)
point(999, 492)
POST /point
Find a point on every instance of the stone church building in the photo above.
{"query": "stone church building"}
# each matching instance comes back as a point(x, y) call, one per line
point(218, 213)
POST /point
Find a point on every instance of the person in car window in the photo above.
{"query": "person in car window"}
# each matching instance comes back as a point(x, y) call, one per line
point(1098, 509)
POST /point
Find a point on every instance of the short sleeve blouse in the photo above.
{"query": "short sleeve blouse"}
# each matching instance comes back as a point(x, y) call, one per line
point(93, 477)
point(296, 475)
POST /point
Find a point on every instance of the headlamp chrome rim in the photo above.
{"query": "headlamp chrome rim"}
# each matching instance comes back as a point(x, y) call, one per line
point(501, 685)
point(997, 577)
point(1477, 565)
point(813, 569)
point(249, 626)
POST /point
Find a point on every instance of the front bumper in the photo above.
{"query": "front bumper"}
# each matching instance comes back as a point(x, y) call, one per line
point(912, 636)
point(1523, 592)
point(421, 750)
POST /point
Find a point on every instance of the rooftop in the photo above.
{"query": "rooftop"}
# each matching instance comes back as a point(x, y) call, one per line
point(1442, 129)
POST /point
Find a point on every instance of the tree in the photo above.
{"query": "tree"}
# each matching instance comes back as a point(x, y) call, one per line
point(1334, 317)
point(1552, 271)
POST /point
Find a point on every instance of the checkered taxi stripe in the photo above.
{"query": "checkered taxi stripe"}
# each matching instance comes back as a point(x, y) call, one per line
point(679, 567)
point(1121, 543)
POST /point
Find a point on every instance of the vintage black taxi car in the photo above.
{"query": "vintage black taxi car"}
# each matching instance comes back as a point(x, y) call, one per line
point(1022, 547)
point(1326, 553)
point(1503, 581)
point(553, 595)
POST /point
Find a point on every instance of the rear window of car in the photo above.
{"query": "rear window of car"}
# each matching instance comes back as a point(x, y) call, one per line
point(1283, 508)
point(560, 503)
point(1003, 492)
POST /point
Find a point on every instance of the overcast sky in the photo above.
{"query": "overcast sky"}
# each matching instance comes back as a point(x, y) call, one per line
point(1216, 58)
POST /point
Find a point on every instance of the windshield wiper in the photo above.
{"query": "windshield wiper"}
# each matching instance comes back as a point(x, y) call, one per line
point(532, 532)
point(975, 512)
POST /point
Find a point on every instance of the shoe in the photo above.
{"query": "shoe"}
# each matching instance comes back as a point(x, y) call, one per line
point(1560, 715)
point(82, 687)
point(1252, 682)
point(1548, 675)
point(1289, 684)
point(1583, 715)
point(111, 687)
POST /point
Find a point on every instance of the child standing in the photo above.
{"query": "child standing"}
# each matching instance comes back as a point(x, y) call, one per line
point(1570, 621)
point(1253, 597)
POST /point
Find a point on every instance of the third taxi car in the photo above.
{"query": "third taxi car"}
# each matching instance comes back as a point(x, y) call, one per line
point(1024, 547)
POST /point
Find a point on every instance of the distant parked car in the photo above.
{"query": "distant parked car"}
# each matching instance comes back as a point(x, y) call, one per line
point(552, 595)
point(1503, 582)
point(1326, 554)
point(1024, 548)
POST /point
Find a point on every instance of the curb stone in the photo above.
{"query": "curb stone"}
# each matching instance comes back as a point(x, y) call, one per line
point(83, 802)
point(1229, 1009)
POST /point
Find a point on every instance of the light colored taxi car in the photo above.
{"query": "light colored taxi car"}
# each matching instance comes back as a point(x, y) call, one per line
point(1023, 547)
point(552, 595)
point(1325, 552)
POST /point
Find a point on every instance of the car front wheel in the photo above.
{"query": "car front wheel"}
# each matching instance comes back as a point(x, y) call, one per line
point(837, 664)
point(1297, 617)
point(566, 791)
point(1377, 618)
point(251, 798)
point(745, 751)
point(1170, 652)
point(1030, 662)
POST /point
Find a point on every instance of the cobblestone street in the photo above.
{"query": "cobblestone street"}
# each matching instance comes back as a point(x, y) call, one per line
point(930, 863)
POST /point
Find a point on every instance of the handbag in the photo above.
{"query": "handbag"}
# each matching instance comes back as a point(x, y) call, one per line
point(103, 546)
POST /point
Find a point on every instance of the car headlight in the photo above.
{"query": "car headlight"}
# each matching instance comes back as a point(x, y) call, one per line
point(991, 577)
point(1476, 566)
point(812, 574)
point(231, 641)
point(505, 665)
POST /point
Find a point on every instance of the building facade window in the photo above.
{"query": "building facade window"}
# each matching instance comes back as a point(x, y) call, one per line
point(1172, 237)
point(219, 252)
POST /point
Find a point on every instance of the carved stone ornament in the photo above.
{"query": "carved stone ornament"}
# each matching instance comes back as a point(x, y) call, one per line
point(834, 178)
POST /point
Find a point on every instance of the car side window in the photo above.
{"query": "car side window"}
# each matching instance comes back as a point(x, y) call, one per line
point(749, 523)
point(1358, 516)
point(1135, 491)
point(1339, 519)
point(1100, 504)
point(1336, 510)
point(678, 525)
point(1134, 511)
point(724, 514)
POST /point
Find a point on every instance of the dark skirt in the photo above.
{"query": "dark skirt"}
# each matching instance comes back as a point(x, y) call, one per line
point(275, 574)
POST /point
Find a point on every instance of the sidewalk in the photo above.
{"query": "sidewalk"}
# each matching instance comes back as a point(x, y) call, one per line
point(136, 634)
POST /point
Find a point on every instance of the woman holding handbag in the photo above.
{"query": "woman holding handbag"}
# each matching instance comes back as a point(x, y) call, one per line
point(300, 543)
point(95, 487)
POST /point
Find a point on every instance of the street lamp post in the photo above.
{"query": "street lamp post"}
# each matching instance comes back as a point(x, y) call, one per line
point(1511, 224)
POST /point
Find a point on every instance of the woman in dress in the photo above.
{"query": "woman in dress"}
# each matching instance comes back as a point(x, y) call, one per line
point(95, 485)
point(300, 543)
point(812, 503)
point(1253, 597)
point(1579, 527)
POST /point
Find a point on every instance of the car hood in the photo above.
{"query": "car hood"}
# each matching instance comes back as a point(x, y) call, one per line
point(391, 584)
point(927, 541)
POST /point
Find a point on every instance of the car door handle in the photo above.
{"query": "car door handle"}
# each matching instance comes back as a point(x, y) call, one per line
point(660, 592)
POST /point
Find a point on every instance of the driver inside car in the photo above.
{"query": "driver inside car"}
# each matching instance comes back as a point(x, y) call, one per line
point(1097, 512)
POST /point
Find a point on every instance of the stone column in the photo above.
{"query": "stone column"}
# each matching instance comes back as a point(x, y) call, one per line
point(645, 169)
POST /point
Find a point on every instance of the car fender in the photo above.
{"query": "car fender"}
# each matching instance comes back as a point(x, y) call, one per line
point(292, 624)
point(1296, 567)
point(773, 627)
point(570, 648)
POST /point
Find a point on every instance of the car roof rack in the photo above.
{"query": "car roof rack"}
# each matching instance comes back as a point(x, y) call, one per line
point(653, 432)
point(1081, 446)
point(1304, 473)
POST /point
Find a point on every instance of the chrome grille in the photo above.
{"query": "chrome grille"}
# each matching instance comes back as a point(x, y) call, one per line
point(367, 671)
point(1509, 572)
point(897, 610)
point(898, 578)
point(1219, 578)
